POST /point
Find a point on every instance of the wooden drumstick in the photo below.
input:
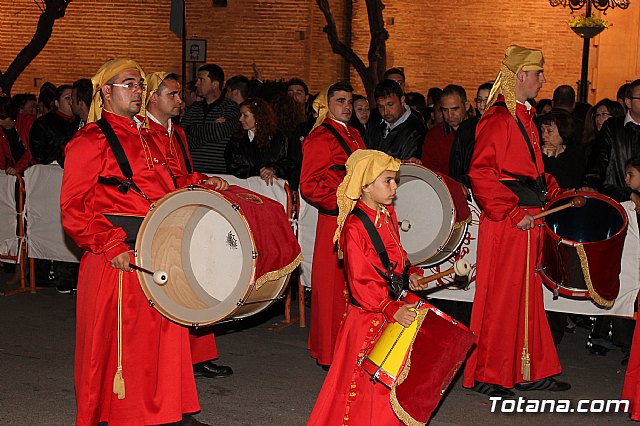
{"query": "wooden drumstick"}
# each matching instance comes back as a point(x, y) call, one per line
point(159, 277)
point(576, 202)
point(460, 268)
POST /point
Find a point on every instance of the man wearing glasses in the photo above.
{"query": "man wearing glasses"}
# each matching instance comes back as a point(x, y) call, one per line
point(132, 365)
point(618, 141)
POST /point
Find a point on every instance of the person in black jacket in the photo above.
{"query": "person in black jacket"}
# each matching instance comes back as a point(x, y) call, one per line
point(401, 131)
point(618, 141)
point(261, 149)
point(51, 132)
point(563, 158)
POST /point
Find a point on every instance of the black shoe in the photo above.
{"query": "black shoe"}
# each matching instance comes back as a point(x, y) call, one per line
point(548, 383)
point(493, 390)
point(211, 370)
point(187, 420)
point(598, 350)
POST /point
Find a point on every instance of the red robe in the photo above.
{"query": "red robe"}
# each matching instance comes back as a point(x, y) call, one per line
point(348, 396)
point(202, 341)
point(6, 158)
point(631, 388)
point(499, 304)
point(156, 359)
point(436, 149)
point(318, 184)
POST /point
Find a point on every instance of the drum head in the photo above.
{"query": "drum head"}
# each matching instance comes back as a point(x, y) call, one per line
point(203, 242)
point(425, 211)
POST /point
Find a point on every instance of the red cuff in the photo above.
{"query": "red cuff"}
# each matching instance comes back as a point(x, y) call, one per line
point(114, 248)
point(555, 193)
point(389, 309)
point(516, 215)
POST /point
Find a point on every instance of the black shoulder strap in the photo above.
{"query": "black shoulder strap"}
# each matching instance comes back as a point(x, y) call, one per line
point(524, 132)
point(184, 152)
point(121, 158)
point(339, 137)
point(116, 147)
point(374, 235)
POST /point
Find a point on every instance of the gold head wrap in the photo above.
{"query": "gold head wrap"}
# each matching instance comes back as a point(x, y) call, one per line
point(516, 59)
point(154, 80)
point(363, 167)
point(106, 72)
point(321, 107)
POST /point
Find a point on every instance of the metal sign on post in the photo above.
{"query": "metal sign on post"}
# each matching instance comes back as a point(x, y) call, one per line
point(196, 50)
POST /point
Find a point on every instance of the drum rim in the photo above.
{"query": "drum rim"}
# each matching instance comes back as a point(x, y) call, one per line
point(437, 176)
point(613, 203)
point(144, 278)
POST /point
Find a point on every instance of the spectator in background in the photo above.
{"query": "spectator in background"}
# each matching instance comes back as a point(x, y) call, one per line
point(26, 106)
point(261, 149)
point(81, 99)
point(211, 122)
point(292, 123)
point(465, 140)
point(562, 156)
point(621, 95)
point(14, 157)
point(401, 131)
point(596, 116)
point(433, 112)
point(46, 99)
point(237, 89)
point(51, 132)
point(299, 91)
point(564, 98)
point(417, 102)
point(436, 150)
point(361, 114)
point(543, 106)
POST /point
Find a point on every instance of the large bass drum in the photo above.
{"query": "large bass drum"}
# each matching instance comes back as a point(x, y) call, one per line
point(582, 248)
point(432, 214)
point(227, 254)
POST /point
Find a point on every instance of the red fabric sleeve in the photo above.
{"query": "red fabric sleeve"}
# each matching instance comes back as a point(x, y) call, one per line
point(315, 183)
point(80, 219)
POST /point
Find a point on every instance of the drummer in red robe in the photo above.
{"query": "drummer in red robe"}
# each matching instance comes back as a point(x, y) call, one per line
point(515, 347)
point(325, 152)
point(348, 396)
point(132, 365)
point(163, 103)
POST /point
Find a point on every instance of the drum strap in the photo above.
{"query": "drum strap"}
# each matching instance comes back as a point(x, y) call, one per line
point(395, 283)
point(339, 137)
point(121, 158)
point(184, 152)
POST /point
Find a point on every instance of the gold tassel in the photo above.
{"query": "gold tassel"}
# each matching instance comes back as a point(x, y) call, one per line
point(118, 380)
point(525, 366)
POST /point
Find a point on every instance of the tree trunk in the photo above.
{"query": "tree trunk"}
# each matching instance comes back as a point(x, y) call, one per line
point(371, 74)
point(54, 9)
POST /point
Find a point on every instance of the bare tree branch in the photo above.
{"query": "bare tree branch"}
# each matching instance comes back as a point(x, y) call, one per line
point(53, 10)
point(371, 74)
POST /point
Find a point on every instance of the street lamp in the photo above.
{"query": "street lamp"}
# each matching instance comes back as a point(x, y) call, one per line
point(588, 32)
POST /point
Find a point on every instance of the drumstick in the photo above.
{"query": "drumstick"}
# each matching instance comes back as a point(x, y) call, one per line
point(460, 268)
point(576, 202)
point(159, 277)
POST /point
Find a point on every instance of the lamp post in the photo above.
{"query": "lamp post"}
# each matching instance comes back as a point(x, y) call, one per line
point(588, 32)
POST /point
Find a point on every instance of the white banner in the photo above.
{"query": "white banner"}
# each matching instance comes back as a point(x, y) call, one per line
point(9, 241)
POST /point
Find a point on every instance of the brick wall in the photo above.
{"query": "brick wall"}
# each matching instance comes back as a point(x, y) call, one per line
point(436, 42)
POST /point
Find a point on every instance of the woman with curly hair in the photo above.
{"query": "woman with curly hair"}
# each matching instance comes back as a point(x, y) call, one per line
point(261, 149)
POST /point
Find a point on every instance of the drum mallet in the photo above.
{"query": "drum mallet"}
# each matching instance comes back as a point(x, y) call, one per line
point(576, 202)
point(159, 277)
point(461, 268)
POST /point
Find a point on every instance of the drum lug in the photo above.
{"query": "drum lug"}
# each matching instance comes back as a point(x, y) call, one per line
point(254, 255)
point(556, 293)
point(240, 302)
point(151, 303)
point(235, 207)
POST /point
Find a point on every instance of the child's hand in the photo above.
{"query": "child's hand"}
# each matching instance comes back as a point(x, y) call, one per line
point(405, 315)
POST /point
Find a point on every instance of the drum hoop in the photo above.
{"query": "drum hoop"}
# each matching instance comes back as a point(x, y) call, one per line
point(613, 203)
point(570, 292)
point(425, 174)
point(162, 302)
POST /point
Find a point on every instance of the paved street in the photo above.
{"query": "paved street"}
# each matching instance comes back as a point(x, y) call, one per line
point(275, 381)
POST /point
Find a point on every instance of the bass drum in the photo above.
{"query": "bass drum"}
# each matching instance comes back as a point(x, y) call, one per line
point(433, 214)
point(205, 241)
point(582, 248)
